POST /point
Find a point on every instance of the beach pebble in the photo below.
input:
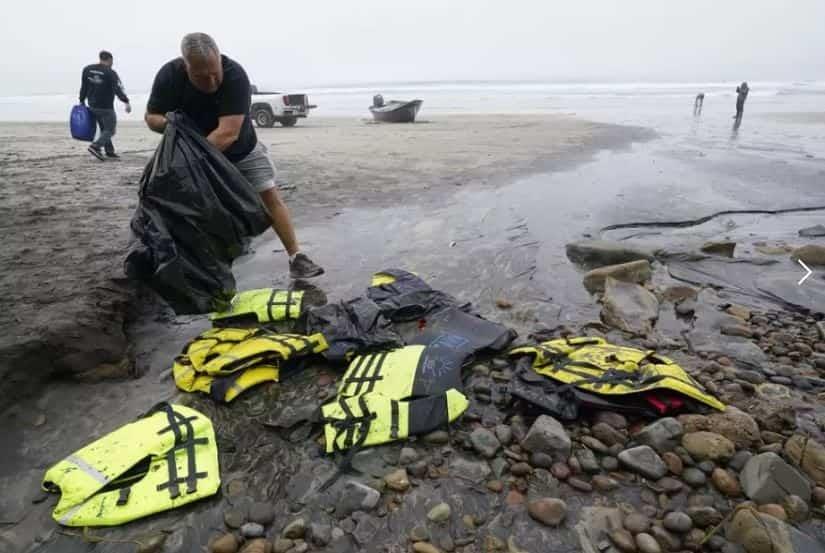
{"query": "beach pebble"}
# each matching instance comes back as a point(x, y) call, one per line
point(662, 435)
point(560, 471)
point(548, 511)
point(504, 434)
point(440, 513)
point(295, 529)
point(398, 480)
point(608, 435)
point(282, 545)
point(495, 486)
point(484, 442)
point(520, 469)
point(796, 508)
point(425, 547)
point(726, 482)
point(647, 544)
point(776, 511)
point(548, 436)
point(541, 460)
point(708, 446)
point(603, 483)
point(636, 523)
point(673, 462)
point(252, 530)
point(419, 533)
point(623, 540)
point(703, 517)
point(234, 518)
point(616, 420)
point(407, 456)
point(262, 513)
point(227, 543)
point(610, 463)
point(258, 545)
point(643, 460)
point(579, 484)
point(678, 522)
point(667, 540)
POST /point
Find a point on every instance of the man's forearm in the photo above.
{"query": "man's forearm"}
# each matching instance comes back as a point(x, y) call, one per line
point(155, 121)
point(222, 140)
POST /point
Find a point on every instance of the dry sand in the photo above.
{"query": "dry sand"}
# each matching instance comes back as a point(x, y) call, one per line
point(64, 215)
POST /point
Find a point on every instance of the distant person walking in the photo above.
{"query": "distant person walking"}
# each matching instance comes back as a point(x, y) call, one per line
point(99, 84)
point(697, 103)
point(741, 95)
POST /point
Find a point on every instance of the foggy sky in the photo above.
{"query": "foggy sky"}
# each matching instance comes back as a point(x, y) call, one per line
point(304, 43)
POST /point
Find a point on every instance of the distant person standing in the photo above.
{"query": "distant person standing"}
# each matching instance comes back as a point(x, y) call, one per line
point(741, 95)
point(697, 103)
point(99, 84)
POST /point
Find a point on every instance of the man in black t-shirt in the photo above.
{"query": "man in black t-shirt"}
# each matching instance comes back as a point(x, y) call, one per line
point(214, 91)
point(99, 84)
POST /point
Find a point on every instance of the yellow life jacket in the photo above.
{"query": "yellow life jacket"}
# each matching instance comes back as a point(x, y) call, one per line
point(227, 361)
point(264, 305)
point(394, 394)
point(165, 459)
point(597, 366)
point(372, 419)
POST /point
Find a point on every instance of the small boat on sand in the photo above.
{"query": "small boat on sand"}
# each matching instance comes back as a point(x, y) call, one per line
point(394, 111)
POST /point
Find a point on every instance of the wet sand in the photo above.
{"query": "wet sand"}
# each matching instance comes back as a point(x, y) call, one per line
point(476, 228)
point(64, 215)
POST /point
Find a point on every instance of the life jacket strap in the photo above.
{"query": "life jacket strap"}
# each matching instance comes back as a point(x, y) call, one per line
point(123, 497)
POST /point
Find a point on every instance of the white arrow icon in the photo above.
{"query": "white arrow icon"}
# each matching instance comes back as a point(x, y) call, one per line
point(807, 274)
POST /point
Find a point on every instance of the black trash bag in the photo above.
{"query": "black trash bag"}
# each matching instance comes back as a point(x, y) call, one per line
point(480, 334)
point(350, 327)
point(195, 216)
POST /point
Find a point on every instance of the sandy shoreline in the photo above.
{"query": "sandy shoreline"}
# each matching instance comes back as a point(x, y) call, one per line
point(65, 215)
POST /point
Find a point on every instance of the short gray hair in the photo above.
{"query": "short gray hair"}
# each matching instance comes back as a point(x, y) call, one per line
point(198, 45)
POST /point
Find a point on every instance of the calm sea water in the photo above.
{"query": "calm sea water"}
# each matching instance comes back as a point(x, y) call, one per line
point(490, 97)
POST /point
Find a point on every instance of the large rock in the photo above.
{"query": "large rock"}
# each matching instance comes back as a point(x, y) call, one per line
point(629, 307)
point(547, 435)
point(662, 435)
point(600, 253)
point(708, 446)
point(637, 272)
point(807, 455)
point(645, 461)
point(766, 478)
point(762, 533)
point(810, 254)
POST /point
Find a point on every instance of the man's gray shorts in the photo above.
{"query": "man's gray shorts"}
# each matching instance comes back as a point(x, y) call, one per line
point(258, 168)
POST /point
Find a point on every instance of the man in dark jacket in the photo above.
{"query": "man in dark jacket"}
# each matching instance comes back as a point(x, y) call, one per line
point(214, 91)
point(741, 95)
point(99, 84)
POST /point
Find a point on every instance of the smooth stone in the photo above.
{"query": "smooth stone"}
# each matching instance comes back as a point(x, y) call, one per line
point(610, 464)
point(662, 435)
point(608, 435)
point(560, 471)
point(440, 513)
point(547, 435)
point(767, 478)
point(708, 446)
point(579, 484)
point(673, 462)
point(726, 482)
point(636, 523)
point(227, 543)
point(252, 530)
point(439, 437)
point(485, 442)
point(602, 483)
point(678, 522)
point(520, 469)
point(694, 477)
point(541, 460)
point(234, 518)
point(548, 511)
point(623, 540)
point(398, 480)
point(645, 461)
point(424, 547)
point(262, 513)
point(667, 540)
point(796, 508)
point(295, 530)
point(704, 517)
point(615, 420)
point(407, 456)
point(647, 544)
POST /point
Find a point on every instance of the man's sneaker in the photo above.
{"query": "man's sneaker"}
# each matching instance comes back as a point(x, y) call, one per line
point(112, 155)
point(303, 267)
point(95, 151)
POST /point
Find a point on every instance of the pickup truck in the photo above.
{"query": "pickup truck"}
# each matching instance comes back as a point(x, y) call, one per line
point(271, 107)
